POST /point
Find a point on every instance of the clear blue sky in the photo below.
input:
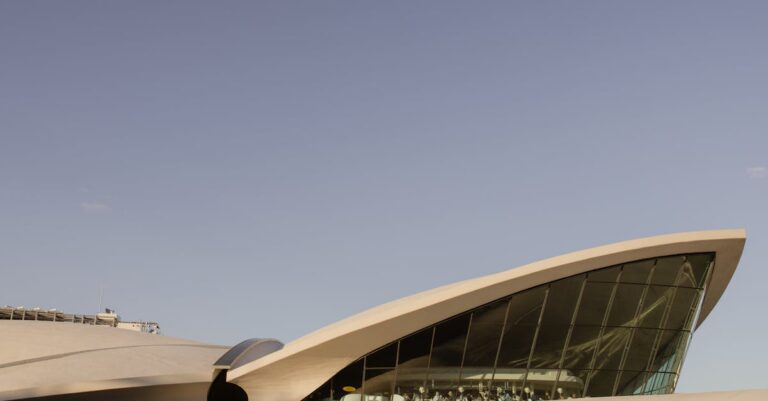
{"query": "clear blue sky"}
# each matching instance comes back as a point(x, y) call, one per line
point(245, 169)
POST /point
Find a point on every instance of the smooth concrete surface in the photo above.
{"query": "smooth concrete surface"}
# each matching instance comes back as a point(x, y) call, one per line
point(173, 392)
point(46, 358)
point(740, 395)
point(302, 365)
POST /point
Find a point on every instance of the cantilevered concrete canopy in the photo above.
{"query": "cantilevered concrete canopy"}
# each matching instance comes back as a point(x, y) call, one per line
point(64, 361)
point(292, 373)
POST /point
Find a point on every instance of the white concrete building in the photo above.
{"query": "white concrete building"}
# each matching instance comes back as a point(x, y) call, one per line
point(611, 321)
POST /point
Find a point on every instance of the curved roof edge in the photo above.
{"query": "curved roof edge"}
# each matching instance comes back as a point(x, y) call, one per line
point(308, 361)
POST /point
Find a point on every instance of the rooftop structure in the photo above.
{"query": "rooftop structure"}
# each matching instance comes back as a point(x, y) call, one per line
point(107, 318)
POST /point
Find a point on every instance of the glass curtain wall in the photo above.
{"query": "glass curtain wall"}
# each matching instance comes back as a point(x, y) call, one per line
point(620, 330)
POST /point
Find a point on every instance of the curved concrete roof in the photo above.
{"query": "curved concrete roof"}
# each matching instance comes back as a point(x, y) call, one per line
point(45, 358)
point(303, 365)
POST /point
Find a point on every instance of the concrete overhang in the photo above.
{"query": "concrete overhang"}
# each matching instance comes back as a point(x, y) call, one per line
point(304, 364)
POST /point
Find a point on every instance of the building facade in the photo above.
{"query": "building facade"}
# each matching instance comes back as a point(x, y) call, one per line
point(611, 321)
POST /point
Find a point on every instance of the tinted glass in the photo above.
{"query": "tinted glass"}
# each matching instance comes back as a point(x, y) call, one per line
point(414, 359)
point(549, 346)
point(631, 382)
point(668, 344)
point(659, 383)
point(525, 307)
point(638, 355)
point(379, 381)
point(601, 383)
point(615, 331)
point(682, 307)
point(624, 306)
point(637, 272)
point(484, 335)
point(581, 347)
point(611, 347)
point(609, 274)
point(694, 272)
point(516, 346)
point(654, 305)
point(594, 303)
point(562, 300)
point(383, 358)
point(571, 383)
point(450, 338)
point(414, 350)
point(667, 269)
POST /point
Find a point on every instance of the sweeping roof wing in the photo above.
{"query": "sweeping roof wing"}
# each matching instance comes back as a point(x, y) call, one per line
point(43, 358)
point(304, 364)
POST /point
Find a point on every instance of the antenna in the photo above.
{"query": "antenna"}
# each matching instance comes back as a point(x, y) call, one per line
point(101, 295)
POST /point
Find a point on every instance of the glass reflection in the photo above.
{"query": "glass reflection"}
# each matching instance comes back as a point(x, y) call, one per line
point(621, 330)
point(624, 306)
point(594, 303)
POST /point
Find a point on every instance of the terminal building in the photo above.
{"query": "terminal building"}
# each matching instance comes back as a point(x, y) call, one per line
point(612, 321)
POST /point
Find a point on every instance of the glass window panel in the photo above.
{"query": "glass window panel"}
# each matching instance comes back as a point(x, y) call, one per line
point(509, 380)
point(639, 353)
point(570, 384)
point(631, 382)
point(682, 347)
point(682, 307)
point(636, 272)
point(665, 358)
point(484, 335)
point(411, 377)
point(540, 389)
point(625, 305)
point(414, 350)
point(411, 383)
point(581, 347)
point(383, 358)
point(660, 383)
point(654, 305)
point(526, 307)
point(652, 382)
point(693, 313)
point(667, 269)
point(649, 379)
point(516, 346)
point(430, 360)
point(696, 270)
point(379, 382)
point(609, 274)
point(671, 383)
point(594, 302)
point(611, 347)
point(444, 381)
point(349, 380)
point(561, 300)
point(601, 383)
point(549, 346)
point(540, 382)
point(448, 346)
point(476, 380)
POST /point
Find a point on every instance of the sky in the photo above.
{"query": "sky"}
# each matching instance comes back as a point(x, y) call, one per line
point(261, 169)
